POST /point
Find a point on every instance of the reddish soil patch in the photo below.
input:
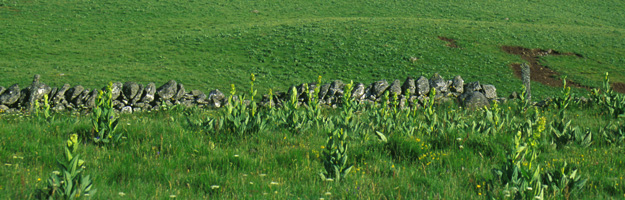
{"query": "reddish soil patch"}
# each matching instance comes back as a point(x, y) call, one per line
point(538, 72)
point(543, 74)
point(450, 42)
point(618, 87)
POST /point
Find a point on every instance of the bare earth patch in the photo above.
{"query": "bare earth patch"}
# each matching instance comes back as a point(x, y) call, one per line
point(543, 74)
point(450, 42)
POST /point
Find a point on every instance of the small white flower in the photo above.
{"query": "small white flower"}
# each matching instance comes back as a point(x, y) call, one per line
point(459, 139)
point(537, 197)
point(264, 193)
point(329, 180)
point(214, 187)
point(244, 175)
point(328, 193)
point(274, 183)
point(251, 183)
point(122, 194)
point(236, 155)
point(530, 188)
point(461, 147)
point(261, 175)
point(172, 196)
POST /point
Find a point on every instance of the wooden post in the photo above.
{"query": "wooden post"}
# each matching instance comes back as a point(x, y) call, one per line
point(525, 73)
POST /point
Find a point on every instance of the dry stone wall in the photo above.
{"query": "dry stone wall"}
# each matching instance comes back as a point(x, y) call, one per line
point(133, 97)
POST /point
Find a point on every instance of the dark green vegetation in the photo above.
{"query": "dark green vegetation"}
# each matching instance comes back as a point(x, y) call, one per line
point(207, 45)
point(439, 152)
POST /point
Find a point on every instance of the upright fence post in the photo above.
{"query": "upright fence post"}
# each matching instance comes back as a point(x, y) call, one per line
point(525, 73)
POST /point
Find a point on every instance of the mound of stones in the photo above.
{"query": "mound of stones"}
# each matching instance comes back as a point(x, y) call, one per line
point(131, 97)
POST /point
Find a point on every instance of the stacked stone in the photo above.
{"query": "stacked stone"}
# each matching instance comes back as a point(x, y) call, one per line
point(127, 97)
point(473, 94)
point(132, 97)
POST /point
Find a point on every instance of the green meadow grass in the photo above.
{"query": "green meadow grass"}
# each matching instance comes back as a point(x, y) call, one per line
point(162, 155)
point(208, 45)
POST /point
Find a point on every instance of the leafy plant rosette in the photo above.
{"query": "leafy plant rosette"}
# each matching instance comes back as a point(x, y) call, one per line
point(335, 157)
point(613, 102)
point(521, 174)
point(103, 119)
point(69, 182)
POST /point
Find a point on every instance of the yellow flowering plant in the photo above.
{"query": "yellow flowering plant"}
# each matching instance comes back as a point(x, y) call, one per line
point(103, 119)
point(69, 182)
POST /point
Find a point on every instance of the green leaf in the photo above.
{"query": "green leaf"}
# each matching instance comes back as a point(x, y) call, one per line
point(381, 136)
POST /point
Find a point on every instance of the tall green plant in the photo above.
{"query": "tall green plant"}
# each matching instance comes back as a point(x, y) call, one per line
point(561, 128)
point(103, 119)
point(69, 182)
point(610, 100)
point(238, 117)
point(520, 173)
point(335, 157)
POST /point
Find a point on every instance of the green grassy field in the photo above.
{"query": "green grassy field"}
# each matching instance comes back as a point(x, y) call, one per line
point(206, 45)
point(166, 155)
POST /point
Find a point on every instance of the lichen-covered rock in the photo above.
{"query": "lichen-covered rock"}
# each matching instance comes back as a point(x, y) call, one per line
point(423, 86)
point(473, 86)
point(126, 110)
point(35, 92)
point(139, 94)
point(409, 85)
point(149, 91)
point(11, 95)
point(81, 99)
point(2, 89)
point(59, 97)
point(490, 91)
point(39, 92)
point(358, 92)
point(457, 85)
point(130, 90)
point(323, 91)
point(378, 88)
point(438, 83)
point(116, 90)
point(180, 93)
point(168, 90)
point(474, 100)
point(215, 98)
point(74, 92)
point(196, 93)
point(90, 101)
point(201, 98)
point(395, 88)
point(336, 89)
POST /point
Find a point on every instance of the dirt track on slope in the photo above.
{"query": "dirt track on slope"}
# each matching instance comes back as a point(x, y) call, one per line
point(544, 74)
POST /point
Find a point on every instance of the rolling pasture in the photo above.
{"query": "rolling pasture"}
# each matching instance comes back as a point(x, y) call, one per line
point(566, 150)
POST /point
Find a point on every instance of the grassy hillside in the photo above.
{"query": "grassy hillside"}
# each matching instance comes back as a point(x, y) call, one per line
point(207, 45)
point(439, 152)
point(454, 153)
